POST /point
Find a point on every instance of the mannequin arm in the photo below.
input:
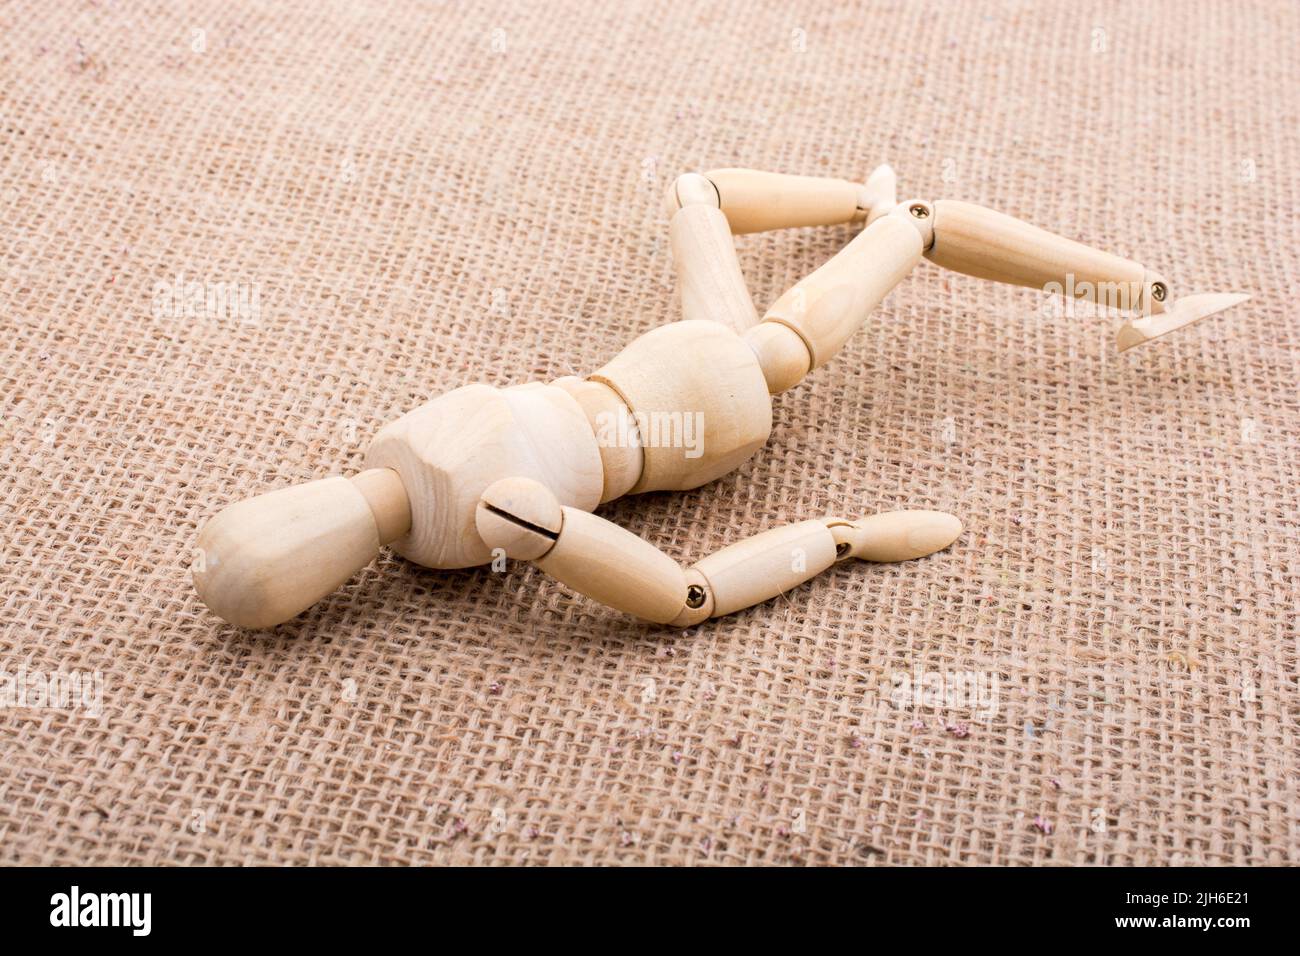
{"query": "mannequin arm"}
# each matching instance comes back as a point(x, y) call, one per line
point(616, 568)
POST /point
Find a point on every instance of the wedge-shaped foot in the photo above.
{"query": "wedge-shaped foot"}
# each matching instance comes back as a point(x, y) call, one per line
point(1188, 309)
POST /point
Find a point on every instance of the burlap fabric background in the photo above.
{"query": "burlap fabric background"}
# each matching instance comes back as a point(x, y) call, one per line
point(426, 195)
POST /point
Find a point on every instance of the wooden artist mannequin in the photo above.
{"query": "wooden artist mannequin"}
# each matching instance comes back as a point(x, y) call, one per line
point(517, 471)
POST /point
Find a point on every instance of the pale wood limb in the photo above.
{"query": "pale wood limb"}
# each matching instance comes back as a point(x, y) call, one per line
point(896, 535)
point(708, 272)
point(593, 556)
point(831, 304)
point(991, 245)
point(755, 201)
point(781, 354)
point(614, 567)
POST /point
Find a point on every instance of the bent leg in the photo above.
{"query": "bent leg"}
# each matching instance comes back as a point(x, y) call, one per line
point(756, 201)
point(704, 254)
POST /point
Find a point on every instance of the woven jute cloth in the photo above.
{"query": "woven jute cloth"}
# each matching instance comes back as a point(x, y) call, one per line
point(380, 202)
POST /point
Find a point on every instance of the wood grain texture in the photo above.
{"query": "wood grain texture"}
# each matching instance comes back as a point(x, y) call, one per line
point(710, 282)
point(781, 353)
point(1185, 311)
point(896, 535)
point(267, 559)
point(520, 517)
point(701, 381)
point(831, 304)
point(622, 461)
point(988, 244)
point(756, 201)
point(611, 565)
point(449, 450)
point(389, 504)
point(770, 563)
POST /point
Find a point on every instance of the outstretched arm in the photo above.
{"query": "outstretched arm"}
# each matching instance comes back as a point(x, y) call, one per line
point(616, 568)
